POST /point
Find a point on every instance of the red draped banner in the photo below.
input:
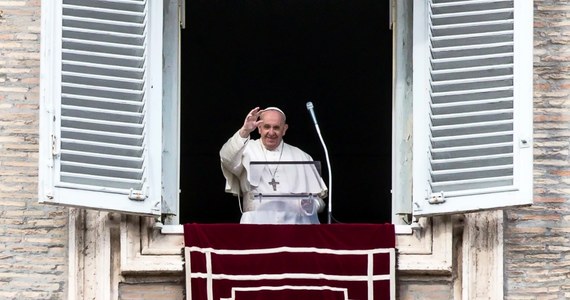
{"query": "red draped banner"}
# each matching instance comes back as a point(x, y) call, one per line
point(327, 261)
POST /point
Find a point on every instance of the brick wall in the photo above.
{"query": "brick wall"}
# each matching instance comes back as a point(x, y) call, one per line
point(537, 239)
point(32, 236)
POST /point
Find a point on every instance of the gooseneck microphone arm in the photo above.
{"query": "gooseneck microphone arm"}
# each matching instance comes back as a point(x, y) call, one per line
point(312, 112)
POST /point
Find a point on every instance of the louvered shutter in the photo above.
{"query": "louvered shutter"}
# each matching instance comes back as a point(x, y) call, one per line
point(105, 122)
point(472, 105)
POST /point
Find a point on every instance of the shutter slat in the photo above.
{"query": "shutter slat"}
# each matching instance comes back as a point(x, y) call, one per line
point(102, 114)
point(102, 103)
point(473, 114)
point(471, 83)
point(472, 173)
point(469, 62)
point(101, 147)
point(462, 51)
point(461, 160)
point(475, 171)
point(465, 162)
point(103, 81)
point(104, 92)
point(451, 105)
point(470, 136)
point(466, 13)
point(472, 148)
point(122, 15)
point(471, 151)
point(103, 36)
point(477, 39)
point(469, 106)
point(101, 170)
point(472, 139)
point(124, 5)
point(472, 117)
point(107, 25)
point(472, 73)
point(476, 186)
point(116, 185)
point(471, 26)
point(119, 127)
point(468, 125)
point(474, 17)
point(102, 159)
point(103, 58)
point(470, 36)
point(472, 69)
point(92, 156)
point(457, 166)
point(102, 89)
point(490, 90)
point(475, 128)
point(102, 137)
point(103, 47)
point(101, 69)
point(471, 47)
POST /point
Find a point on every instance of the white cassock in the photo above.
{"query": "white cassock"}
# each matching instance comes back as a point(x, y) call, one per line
point(250, 180)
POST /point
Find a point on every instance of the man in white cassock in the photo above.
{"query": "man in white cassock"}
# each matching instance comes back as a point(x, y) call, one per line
point(273, 191)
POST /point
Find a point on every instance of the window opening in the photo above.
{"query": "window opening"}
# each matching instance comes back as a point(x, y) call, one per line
point(336, 54)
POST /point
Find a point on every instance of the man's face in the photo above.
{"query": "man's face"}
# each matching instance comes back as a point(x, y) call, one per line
point(272, 129)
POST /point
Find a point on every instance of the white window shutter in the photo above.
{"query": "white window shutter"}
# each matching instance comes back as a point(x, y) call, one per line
point(472, 105)
point(101, 87)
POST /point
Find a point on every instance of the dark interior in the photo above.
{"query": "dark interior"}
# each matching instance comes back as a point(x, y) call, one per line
point(337, 54)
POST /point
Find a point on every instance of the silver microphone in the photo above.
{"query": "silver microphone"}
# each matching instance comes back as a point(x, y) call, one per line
point(311, 111)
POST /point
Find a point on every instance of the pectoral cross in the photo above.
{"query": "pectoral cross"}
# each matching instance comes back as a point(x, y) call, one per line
point(274, 184)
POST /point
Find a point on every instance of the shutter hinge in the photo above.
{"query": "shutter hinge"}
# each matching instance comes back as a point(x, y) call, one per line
point(54, 151)
point(417, 207)
point(136, 195)
point(436, 198)
point(156, 208)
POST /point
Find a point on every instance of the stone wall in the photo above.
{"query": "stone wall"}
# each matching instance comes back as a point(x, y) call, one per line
point(537, 239)
point(152, 291)
point(33, 237)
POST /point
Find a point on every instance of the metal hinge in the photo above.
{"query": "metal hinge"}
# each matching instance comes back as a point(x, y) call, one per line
point(136, 195)
point(436, 198)
point(156, 207)
point(54, 151)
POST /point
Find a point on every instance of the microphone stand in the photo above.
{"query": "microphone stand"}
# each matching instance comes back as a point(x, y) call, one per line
point(329, 171)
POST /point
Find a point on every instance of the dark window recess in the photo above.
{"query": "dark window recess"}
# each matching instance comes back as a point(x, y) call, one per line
point(240, 54)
